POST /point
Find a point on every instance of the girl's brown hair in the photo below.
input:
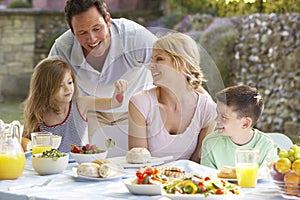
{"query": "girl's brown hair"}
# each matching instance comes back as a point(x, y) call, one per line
point(45, 83)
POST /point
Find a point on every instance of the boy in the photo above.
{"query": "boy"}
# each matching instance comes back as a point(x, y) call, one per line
point(238, 109)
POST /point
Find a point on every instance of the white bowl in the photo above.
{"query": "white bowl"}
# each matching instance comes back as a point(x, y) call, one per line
point(45, 166)
point(82, 158)
point(56, 140)
point(142, 189)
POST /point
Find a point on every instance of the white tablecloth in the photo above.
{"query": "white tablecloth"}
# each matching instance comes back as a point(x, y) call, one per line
point(64, 186)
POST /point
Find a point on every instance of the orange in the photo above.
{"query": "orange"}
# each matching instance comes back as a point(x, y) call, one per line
point(283, 165)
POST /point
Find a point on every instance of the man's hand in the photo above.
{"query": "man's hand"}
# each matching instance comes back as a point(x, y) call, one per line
point(118, 96)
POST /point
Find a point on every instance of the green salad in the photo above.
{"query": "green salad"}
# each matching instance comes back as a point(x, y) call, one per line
point(53, 153)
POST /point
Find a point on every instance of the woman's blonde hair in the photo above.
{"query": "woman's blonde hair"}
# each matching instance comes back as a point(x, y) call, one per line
point(45, 83)
point(185, 56)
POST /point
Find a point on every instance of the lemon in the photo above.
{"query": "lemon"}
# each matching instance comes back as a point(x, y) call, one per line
point(283, 165)
point(296, 166)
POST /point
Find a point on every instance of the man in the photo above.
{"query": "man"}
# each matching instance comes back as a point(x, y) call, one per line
point(101, 50)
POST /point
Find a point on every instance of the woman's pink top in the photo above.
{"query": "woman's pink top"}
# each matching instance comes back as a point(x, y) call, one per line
point(160, 142)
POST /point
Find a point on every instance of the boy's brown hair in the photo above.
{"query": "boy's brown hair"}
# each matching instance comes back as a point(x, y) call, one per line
point(244, 100)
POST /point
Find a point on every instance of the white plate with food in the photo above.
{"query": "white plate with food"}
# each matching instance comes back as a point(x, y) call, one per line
point(154, 161)
point(115, 173)
point(201, 196)
point(142, 189)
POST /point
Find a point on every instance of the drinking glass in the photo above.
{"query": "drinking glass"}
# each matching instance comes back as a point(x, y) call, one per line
point(246, 163)
point(40, 142)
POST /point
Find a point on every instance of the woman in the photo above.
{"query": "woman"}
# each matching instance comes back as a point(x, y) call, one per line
point(173, 117)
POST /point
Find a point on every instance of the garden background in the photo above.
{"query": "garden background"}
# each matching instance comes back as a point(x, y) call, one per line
point(243, 42)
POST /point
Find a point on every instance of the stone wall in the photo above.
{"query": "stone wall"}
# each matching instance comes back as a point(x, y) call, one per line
point(259, 50)
point(17, 44)
point(267, 55)
point(26, 36)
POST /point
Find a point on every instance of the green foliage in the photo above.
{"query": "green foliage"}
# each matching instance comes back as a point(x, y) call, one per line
point(50, 41)
point(19, 4)
point(234, 7)
point(281, 6)
point(219, 43)
point(172, 18)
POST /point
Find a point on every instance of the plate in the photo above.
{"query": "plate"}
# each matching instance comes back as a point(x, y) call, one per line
point(116, 175)
point(153, 162)
point(234, 180)
point(142, 189)
point(201, 196)
point(230, 179)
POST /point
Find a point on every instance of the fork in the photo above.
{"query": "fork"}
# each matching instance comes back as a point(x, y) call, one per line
point(30, 186)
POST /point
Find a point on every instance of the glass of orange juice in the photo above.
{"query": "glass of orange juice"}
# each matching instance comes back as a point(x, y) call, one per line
point(246, 163)
point(40, 142)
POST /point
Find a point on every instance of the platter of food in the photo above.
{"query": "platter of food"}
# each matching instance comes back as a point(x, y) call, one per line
point(149, 180)
point(98, 172)
point(197, 188)
point(142, 189)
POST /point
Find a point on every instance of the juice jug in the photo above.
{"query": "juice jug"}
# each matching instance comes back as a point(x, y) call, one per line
point(12, 156)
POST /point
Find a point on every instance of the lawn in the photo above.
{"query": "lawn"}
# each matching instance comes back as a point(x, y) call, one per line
point(11, 110)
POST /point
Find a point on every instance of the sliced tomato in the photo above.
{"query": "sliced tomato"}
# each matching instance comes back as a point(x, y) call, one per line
point(219, 191)
point(139, 174)
point(148, 171)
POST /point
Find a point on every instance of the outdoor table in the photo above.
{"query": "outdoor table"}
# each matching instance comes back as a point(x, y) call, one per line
point(65, 186)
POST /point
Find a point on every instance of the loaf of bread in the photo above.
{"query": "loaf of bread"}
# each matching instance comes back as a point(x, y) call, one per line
point(88, 169)
point(138, 155)
point(227, 172)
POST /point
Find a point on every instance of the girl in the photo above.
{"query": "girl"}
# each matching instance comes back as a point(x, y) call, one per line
point(53, 103)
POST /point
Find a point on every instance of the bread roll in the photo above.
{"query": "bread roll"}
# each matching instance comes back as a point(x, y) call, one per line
point(227, 172)
point(105, 171)
point(138, 155)
point(88, 169)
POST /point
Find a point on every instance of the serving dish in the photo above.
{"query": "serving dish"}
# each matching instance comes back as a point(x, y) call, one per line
point(117, 175)
point(154, 161)
point(82, 158)
point(142, 189)
point(117, 171)
point(201, 197)
point(47, 166)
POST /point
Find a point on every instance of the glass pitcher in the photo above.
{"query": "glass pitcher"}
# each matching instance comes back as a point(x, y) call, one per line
point(12, 156)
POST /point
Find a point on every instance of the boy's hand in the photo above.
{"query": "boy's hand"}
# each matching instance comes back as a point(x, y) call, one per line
point(118, 96)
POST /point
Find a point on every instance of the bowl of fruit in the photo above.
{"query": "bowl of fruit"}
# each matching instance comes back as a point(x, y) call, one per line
point(87, 153)
point(285, 172)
